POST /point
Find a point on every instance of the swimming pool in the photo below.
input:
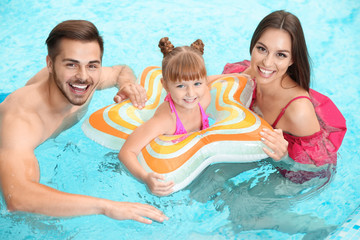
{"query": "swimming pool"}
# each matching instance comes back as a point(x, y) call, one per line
point(233, 206)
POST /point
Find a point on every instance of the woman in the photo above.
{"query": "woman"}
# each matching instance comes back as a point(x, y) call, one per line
point(308, 126)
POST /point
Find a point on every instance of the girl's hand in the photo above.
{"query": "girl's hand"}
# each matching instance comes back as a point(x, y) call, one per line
point(156, 184)
point(276, 142)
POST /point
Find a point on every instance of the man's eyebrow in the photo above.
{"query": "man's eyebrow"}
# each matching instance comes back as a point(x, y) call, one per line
point(95, 61)
point(76, 61)
point(70, 60)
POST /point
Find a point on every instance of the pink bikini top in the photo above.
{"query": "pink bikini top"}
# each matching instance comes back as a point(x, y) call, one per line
point(179, 126)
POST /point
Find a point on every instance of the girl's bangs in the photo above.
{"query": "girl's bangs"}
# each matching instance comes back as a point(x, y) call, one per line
point(186, 68)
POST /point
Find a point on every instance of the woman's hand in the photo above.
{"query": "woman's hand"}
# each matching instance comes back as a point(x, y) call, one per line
point(156, 184)
point(276, 142)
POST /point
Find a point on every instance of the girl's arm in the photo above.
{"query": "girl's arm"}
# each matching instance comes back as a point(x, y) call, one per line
point(135, 143)
point(212, 78)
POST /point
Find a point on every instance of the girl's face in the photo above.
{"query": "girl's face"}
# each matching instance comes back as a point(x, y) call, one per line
point(271, 56)
point(187, 94)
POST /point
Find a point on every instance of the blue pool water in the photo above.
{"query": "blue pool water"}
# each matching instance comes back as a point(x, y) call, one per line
point(221, 203)
point(3, 96)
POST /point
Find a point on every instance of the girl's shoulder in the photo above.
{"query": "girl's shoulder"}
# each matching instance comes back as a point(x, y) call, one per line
point(165, 118)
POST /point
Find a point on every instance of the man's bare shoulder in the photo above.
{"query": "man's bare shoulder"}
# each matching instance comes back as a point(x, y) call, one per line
point(24, 99)
point(42, 75)
point(20, 123)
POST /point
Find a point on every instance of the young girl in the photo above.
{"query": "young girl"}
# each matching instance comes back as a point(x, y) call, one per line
point(183, 111)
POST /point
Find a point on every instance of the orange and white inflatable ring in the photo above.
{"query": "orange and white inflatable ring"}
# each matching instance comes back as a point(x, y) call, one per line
point(234, 137)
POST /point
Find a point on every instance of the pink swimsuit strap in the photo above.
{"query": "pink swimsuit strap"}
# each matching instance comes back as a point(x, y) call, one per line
point(284, 109)
point(179, 126)
point(204, 119)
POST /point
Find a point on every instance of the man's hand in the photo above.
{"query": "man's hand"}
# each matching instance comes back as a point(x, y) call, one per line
point(134, 211)
point(135, 92)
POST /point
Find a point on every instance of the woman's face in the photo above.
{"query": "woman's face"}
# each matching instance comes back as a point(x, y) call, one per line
point(271, 56)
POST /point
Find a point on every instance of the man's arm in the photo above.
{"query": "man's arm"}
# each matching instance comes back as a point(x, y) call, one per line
point(124, 79)
point(19, 181)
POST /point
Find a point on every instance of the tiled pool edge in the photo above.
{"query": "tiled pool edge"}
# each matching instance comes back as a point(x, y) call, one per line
point(350, 229)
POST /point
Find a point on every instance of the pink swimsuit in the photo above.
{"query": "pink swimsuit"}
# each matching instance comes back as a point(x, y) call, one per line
point(319, 148)
point(179, 126)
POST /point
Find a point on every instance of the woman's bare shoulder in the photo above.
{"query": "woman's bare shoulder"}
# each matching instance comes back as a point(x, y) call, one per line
point(300, 118)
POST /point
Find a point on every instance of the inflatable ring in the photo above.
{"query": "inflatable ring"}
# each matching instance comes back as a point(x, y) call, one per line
point(234, 137)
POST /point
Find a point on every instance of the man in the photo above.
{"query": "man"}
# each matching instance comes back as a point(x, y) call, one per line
point(52, 101)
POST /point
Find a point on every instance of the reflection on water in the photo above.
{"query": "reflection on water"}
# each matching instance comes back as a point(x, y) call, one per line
point(258, 197)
